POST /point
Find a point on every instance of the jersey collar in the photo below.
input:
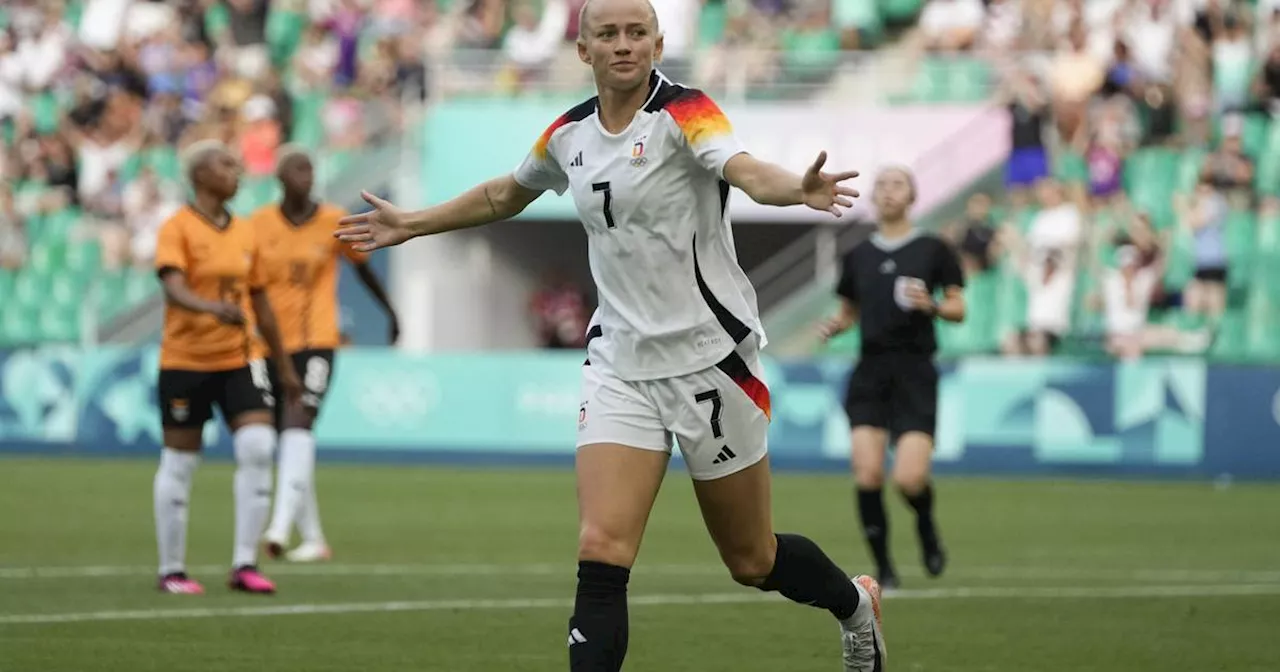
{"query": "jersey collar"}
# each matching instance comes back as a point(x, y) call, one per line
point(897, 243)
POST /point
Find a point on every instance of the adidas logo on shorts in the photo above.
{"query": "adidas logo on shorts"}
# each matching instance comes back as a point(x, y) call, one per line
point(724, 455)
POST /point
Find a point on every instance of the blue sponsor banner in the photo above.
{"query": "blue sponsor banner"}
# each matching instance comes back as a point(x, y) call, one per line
point(1175, 417)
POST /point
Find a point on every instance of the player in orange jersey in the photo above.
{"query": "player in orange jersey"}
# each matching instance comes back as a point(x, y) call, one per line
point(301, 256)
point(210, 355)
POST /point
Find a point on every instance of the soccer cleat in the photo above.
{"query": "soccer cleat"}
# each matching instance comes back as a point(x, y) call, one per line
point(178, 583)
point(935, 559)
point(889, 580)
point(863, 636)
point(310, 551)
point(247, 579)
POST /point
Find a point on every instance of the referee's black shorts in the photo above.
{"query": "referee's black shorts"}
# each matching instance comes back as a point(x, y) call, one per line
point(894, 391)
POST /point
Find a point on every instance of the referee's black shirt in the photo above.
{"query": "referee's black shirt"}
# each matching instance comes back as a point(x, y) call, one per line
point(870, 279)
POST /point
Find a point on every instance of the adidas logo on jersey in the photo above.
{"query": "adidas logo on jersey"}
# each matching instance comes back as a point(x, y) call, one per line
point(724, 456)
point(575, 637)
point(577, 161)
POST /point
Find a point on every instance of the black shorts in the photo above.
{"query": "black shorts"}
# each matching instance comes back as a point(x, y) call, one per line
point(315, 369)
point(187, 398)
point(1211, 274)
point(897, 392)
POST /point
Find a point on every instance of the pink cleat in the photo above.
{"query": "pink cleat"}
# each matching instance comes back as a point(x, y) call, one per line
point(247, 579)
point(178, 583)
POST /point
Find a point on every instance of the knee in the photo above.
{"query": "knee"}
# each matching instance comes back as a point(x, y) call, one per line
point(598, 544)
point(255, 445)
point(749, 565)
point(869, 478)
point(912, 483)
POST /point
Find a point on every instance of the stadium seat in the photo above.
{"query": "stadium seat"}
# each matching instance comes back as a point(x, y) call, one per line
point(900, 11)
point(1229, 342)
point(1150, 177)
point(1241, 232)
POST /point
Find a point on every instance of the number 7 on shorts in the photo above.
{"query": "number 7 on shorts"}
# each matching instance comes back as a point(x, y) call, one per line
point(717, 406)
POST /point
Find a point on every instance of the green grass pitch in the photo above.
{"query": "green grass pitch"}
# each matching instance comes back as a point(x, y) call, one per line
point(457, 570)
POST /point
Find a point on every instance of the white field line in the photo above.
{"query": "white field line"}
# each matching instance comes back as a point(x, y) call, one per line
point(553, 569)
point(741, 597)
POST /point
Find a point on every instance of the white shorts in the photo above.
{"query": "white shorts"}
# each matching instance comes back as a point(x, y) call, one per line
point(720, 415)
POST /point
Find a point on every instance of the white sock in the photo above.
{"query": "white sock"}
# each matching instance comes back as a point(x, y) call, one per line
point(309, 513)
point(293, 481)
point(172, 493)
point(254, 446)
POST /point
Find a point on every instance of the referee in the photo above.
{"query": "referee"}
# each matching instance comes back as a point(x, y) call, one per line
point(888, 285)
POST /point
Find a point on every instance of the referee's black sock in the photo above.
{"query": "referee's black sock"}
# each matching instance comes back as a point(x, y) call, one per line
point(804, 574)
point(875, 527)
point(922, 502)
point(598, 627)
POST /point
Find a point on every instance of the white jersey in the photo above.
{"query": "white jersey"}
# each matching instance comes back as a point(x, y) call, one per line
point(654, 203)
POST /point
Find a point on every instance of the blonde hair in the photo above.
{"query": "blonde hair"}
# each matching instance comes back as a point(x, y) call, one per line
point(902, 170)
point(197, 154)
point(582, 20)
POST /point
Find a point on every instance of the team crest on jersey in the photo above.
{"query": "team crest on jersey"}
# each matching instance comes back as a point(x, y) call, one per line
point(888, 266)
point(180, 409)
point(637, 152)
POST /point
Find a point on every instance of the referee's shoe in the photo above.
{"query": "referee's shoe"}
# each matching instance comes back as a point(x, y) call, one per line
point(863, 634)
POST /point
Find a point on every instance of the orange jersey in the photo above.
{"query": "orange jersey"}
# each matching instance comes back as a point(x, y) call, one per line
point(301, 266)
point(220, 265)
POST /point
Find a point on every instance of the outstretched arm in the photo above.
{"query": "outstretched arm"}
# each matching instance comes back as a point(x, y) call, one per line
point(386, 225)
point(493, 201)
point(770, 184)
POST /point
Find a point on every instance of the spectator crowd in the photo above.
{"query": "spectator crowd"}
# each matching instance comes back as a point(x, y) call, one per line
point(1139, 128)
point(1139, 174)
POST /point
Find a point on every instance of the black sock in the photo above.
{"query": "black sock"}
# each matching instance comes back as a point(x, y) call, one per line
point(598, 627)
point(804, 574)
point(875, 527)
point(922, 502)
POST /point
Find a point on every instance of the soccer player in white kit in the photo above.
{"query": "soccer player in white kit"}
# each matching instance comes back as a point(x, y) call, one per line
point(673, 349)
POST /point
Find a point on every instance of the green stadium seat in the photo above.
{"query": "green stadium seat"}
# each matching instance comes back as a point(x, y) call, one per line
point(863, 15)
point(1070, 167)
point(284, 34)
point(308, 123)
point(1010, 301)
point(44, 110)
point(1229, 342)
point(58, 322)
point(83, 261)
point(1180, 263)
point(1189, 169)
point(139, 285)
point(1150, 177)
point(110, 295)
point(18, 324)
point(900, 11)
point(1267, 177)
point(1241, 233)
point(712, 21)
point(31, 287)
point(976, 335)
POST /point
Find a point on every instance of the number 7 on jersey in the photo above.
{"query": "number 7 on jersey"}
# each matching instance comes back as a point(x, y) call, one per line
point(608, 201)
